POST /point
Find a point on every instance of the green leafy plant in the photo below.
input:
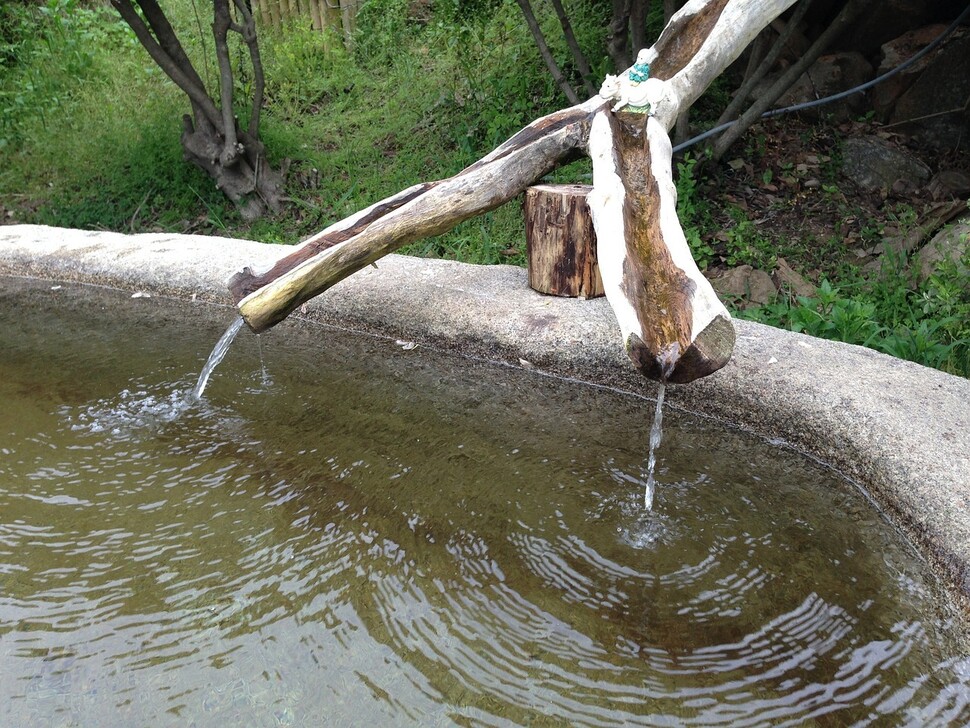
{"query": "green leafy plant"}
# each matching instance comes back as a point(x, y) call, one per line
point(746, 245)
point(693, 212)
point(928, 324)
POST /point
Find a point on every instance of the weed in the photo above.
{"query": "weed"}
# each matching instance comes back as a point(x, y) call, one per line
point(928, 324)
point(746, 245)
point(693, 212)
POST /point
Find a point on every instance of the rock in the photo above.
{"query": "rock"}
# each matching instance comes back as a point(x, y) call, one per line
point(786, 279)
point(950, 184)
point(895, 52)
point(933, 109)
point(888, 19)
point(746, 286)
point(951, 243)
point(874, 164)
point(829, 75)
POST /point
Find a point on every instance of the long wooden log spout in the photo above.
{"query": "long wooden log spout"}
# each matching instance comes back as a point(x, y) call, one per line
point(673, 326)
point(419, 212)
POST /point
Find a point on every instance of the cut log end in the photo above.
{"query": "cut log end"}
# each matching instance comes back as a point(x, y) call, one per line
point(560, 241)
point(709, 351)
point(242, 284)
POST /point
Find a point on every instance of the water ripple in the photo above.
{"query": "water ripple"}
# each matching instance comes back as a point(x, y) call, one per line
point(381, 556)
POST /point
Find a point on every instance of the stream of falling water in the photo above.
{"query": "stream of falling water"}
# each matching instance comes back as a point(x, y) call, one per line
point(656, 433)
point(217, 355)
point(265, 381)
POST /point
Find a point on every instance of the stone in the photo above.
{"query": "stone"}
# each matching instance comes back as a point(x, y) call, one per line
point(874, 164)
point(894, 53)
point(787, 279)
point(887, 19)
point(950, 184)
point(746, 286)
point(829, 75)
point(933, 108)
point(951, 243)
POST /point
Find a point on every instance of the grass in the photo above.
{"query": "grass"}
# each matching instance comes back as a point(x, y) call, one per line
point(97, 145)
point(89, 138)
point(889, 310)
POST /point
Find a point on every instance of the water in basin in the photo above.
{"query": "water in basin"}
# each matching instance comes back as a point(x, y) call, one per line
point(368, 535)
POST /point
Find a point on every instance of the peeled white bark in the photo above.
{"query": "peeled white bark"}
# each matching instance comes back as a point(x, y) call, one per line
point(673, 326)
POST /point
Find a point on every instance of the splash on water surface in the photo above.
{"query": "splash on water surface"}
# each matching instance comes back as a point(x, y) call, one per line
point(132, 410)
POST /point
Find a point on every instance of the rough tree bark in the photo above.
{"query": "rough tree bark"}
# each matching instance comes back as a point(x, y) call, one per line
point(211, 135)
point(673, 326)
point(618, 38)
point(561, 242)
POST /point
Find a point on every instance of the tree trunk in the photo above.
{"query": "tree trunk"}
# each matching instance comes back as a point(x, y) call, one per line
point(249, 180)
point(618, 37)
point(560, 241)
point(673, 325)
point(211, 136)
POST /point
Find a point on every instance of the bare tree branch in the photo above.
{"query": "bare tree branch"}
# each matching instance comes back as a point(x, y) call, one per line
point(248, 33)
point(220, 31)
point(546, 54)
point(167, 39)
point(751, 79)
point(418, 212)
point(851, 10)
point(185, 78)
point(578, 57)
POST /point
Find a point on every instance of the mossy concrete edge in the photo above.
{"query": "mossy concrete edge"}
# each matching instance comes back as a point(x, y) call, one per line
point(899, 429)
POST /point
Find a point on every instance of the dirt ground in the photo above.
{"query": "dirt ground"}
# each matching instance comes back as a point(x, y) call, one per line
point(786, 175)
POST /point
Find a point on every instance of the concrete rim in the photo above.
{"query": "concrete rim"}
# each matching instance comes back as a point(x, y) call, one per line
point(899, 429)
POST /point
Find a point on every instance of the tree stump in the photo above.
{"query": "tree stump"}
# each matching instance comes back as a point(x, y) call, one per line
point(560, 242)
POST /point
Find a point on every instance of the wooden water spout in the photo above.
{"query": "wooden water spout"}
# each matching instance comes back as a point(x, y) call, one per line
point(673, 325)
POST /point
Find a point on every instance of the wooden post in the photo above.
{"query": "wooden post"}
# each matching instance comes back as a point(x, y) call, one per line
point(348, 18)
point(560, 241)
point(315, 14)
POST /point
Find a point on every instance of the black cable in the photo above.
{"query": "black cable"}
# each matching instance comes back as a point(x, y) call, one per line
point(842, 94)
